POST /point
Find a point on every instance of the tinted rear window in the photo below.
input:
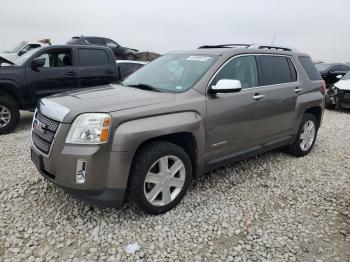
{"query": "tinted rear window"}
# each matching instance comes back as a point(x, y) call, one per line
point(275, 70)
point(310, 68)
point(93, 57)
point(96, 40)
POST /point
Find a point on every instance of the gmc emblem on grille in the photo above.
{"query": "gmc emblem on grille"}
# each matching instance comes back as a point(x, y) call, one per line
point(37, 125)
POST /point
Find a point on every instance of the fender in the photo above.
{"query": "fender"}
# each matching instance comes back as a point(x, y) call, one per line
point(10, 88)
point(306, 101)
point(130, 135)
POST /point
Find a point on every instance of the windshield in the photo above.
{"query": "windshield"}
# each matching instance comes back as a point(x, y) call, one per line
point(22, 59)
point(346, 77)
point(171, 73)
point(322, 67)
point(17, 47)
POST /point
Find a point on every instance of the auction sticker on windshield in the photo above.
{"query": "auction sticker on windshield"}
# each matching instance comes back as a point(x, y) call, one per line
point(198, 58)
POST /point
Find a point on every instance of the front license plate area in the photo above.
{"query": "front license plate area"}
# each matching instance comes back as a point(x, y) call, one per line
point(37, 159)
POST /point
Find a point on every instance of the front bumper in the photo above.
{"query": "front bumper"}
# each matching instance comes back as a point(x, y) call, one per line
point(107, 172)
point(339, 97)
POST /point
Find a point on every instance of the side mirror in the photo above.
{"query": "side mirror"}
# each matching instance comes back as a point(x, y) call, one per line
point(38, 62)
point(339, 77)
point(226, 86)
point(22, 52)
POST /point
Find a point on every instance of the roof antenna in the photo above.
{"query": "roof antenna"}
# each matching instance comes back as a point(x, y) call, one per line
point(273, 40)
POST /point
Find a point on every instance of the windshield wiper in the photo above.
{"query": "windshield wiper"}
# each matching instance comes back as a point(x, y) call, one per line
point(145, 87)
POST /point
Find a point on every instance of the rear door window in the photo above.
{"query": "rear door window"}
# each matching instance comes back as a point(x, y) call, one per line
point(276, 70)
point(337, 68)
point(310, 68)
point(345, 68)
point(242, 68)
point(93, 57)
point(96, 40)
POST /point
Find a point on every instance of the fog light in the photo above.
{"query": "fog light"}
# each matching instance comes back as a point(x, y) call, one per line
point(81, 172)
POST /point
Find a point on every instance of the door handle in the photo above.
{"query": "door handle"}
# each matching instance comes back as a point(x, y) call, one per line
point(298, 90)
point(72, 73)
point(258, 96)
point(109, 72)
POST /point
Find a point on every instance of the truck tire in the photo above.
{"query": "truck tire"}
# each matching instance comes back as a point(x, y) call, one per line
point(306, 136)
point(9, 115)
point(160, 177)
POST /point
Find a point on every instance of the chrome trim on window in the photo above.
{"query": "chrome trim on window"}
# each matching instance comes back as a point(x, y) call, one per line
point(255, 87)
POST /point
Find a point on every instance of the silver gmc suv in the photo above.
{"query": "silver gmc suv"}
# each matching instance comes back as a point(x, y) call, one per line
point(175, 119)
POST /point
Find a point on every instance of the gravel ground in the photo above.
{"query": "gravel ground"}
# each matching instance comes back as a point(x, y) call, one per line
point(273, 207)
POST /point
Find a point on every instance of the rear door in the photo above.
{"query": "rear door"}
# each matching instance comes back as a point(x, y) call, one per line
point(96, 67)
point(59, 74)
point(279, 87)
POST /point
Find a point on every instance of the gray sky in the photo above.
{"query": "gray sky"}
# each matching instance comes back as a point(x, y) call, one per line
point(318, 27)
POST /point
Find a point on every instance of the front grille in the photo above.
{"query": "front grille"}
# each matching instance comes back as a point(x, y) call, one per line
point(43, 132)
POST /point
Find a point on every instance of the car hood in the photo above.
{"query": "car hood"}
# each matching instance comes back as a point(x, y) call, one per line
point(4, 60)
point(343, 84)
point(104, 99)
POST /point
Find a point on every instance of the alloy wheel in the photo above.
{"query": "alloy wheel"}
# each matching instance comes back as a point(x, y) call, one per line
point(307, 135)
point(5, 116)
point(164, 180)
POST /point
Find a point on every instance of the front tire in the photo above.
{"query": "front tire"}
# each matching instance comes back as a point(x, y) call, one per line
point(160, 177)
point(9, 115)
point(306, 136)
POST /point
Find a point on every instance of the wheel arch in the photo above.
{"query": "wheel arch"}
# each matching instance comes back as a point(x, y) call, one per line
point(185, 129)
point(9, 90)
point(316, 111)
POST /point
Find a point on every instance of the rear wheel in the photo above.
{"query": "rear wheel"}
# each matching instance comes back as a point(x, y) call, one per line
point(160, 177)
point(9, 115)
point(306, 136)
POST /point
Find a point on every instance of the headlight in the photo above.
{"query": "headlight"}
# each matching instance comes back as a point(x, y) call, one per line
point(89, 129)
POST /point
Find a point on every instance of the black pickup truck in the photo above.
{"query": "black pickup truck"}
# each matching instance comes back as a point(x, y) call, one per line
point(50, 70)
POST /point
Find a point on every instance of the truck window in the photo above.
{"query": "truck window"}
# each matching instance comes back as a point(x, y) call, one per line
point(93, 57)
point(96, 40)
point(57, 58)
point(111, 43)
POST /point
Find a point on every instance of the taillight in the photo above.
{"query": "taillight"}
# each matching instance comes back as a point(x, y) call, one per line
point(323, 87)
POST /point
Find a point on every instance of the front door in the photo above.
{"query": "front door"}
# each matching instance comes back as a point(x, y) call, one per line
point(232, 120)
point(57, 75)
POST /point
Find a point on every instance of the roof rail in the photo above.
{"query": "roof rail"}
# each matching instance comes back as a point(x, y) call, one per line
point(283, 48)
point(257, 46)
point(225, 46)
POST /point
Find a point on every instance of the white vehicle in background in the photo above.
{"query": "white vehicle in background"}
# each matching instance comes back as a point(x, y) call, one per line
point(338, 95)
point(127, 67)
point(23, 47)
